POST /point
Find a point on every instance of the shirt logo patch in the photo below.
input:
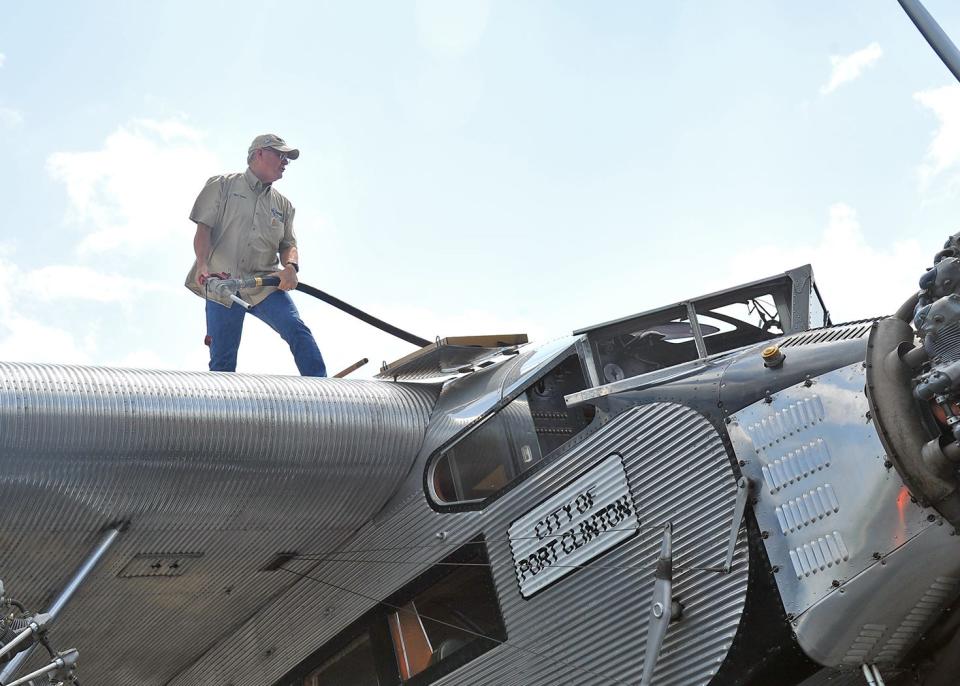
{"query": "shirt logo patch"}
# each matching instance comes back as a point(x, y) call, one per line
point(276, 213)
point(238, 195)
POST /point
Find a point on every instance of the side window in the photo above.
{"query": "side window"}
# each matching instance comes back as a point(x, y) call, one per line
point(485, 461)
point(439, 622)
point(451, 618)
point(352, 666)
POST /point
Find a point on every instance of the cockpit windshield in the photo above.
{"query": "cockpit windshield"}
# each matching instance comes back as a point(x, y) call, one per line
point(705, 326)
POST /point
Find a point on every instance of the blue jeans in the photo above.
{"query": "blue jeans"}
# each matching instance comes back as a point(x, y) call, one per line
point(225, 325)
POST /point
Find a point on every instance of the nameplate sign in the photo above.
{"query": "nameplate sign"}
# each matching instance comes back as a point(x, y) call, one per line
point(588, 517)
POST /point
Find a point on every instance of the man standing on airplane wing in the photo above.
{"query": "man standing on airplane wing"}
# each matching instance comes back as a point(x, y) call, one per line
point(245, 228)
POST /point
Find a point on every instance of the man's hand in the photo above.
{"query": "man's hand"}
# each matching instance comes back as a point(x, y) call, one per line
point(288, 278)
point(203, 273)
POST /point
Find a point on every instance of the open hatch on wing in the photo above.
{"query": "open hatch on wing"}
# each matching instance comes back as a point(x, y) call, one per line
point(450, 356)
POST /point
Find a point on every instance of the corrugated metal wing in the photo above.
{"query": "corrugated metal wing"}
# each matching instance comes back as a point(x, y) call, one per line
point(224, 469)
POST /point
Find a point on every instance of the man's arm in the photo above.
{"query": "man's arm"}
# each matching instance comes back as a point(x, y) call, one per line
point(288, 275)
point(201, 248)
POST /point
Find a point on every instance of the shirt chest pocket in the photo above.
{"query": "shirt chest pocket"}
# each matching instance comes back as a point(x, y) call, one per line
point(270, 231)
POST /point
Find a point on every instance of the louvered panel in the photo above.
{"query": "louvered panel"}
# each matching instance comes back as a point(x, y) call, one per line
point(807, 509)
point(796, 465)
point(783, 423)
point(931, 603)
point(841, 527)
point(848, 331)
point(865, 644)
point(819, 554)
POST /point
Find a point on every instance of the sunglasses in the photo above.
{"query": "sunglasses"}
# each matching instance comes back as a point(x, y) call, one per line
point(282, 155)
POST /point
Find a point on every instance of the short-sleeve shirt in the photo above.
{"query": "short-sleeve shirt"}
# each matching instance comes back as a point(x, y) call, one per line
point(250, 223)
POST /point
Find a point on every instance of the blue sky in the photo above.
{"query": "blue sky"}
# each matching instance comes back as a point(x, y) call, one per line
point(467, 167)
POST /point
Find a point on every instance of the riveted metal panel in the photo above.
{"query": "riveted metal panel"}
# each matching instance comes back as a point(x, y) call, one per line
point(840, 523)
point(917, 581)
point(588, 627)
point(221, 471)
point(935, 598)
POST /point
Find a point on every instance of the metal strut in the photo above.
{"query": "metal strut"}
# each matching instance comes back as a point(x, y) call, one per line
point(740, 506)
point(936, 37)
point(744, 488)
point(663, 608)
point(79, 576)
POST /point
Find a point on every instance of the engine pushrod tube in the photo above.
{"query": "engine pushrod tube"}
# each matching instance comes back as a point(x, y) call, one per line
point(935, 36)
point(79, 576)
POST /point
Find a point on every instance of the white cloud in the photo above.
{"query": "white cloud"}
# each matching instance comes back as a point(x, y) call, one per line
point(9, 275)
point(3, 59)
point(134, 193)
point(143, 359)
point(856, 279)
point(944, 150)
point(24, 338)
point(71, 282)
point(171, 130)
point(847, 68)
point(10, 118)
point(37, 318)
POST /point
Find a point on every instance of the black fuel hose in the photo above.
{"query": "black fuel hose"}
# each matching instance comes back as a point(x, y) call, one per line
point(361, 315)
point(227, 287)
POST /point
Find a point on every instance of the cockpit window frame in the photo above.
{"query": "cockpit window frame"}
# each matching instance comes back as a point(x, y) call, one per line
point(432, 497)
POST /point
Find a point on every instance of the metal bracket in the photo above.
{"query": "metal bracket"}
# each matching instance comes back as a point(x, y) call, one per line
point(739, 508)
point(697, 331)
point(744, 487)
point(663, 608)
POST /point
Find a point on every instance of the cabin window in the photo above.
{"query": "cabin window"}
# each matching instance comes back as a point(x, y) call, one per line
point(486, 460)
point(352, 666)
point(450, 620)
point(434, 625)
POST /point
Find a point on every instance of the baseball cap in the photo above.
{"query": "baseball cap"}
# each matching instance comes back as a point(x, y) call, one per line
point(272, 140)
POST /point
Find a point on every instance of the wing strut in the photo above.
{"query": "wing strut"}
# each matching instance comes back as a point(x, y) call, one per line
point(936, 37)
point(106, 540)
